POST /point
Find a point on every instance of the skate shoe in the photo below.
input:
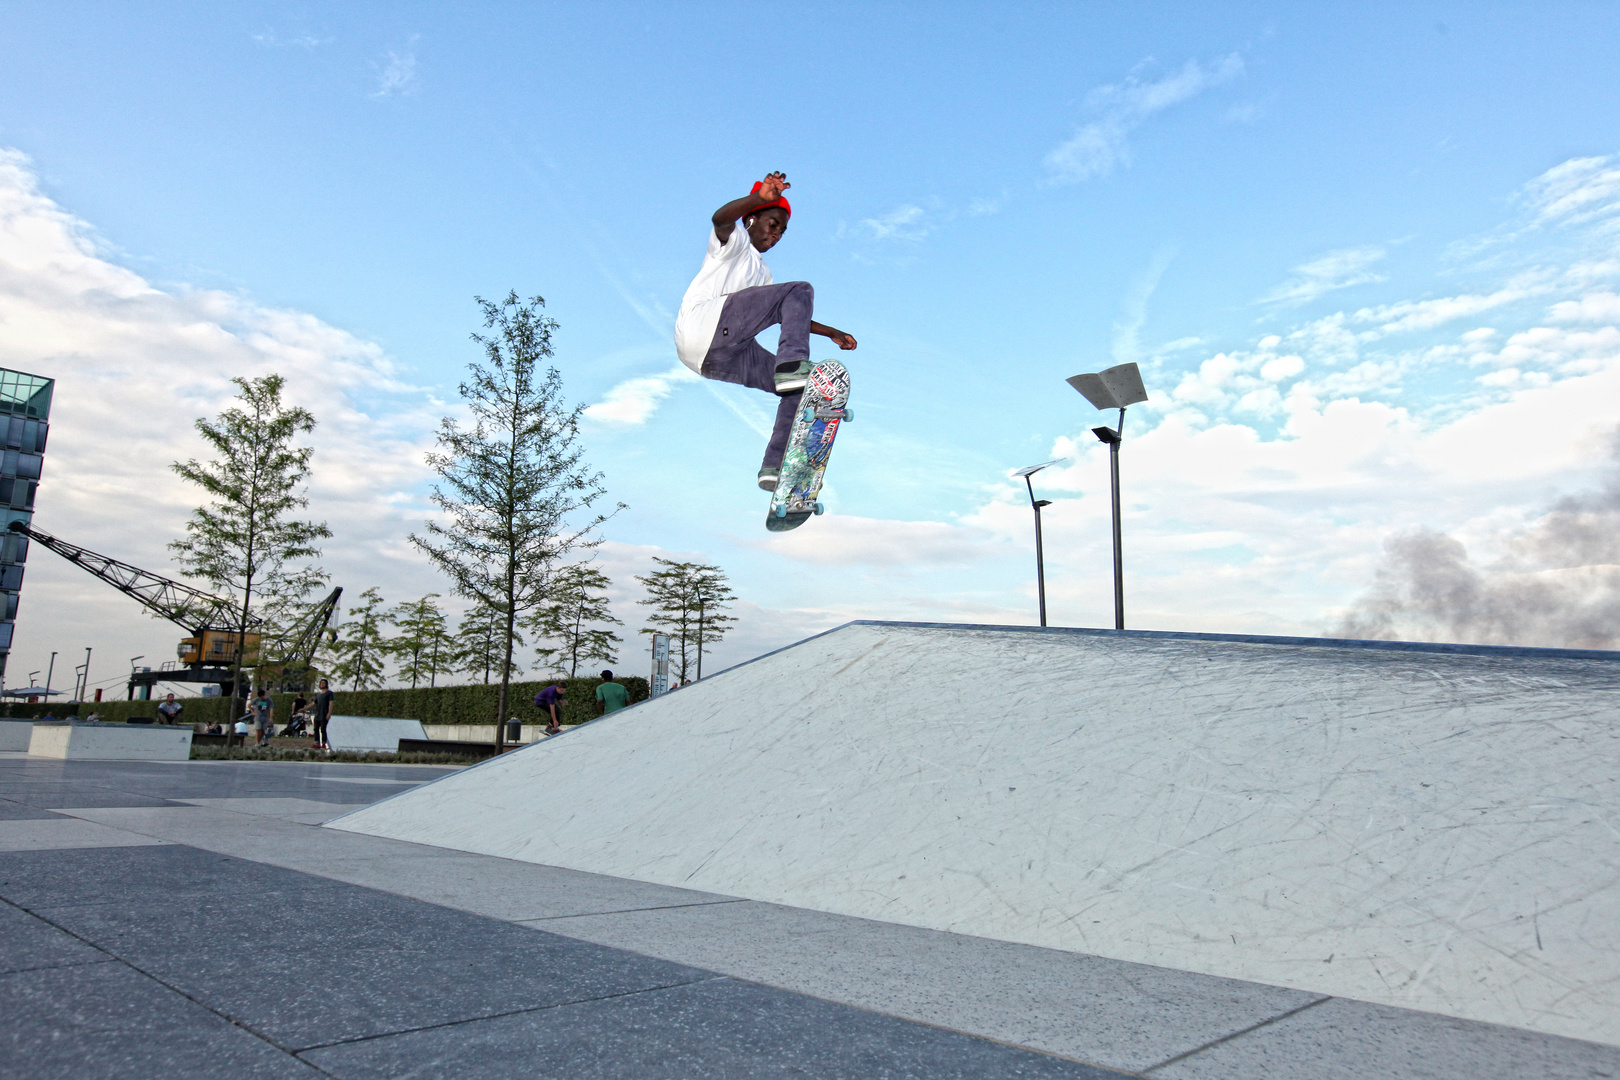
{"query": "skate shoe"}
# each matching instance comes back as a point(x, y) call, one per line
point(791, 378)
point(768, 478)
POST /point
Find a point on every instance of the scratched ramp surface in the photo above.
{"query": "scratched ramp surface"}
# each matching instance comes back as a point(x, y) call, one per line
point(1420, 828)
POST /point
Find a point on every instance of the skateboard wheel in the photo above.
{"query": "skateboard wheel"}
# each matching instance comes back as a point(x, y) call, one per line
point(781, 511)
point(849, 414)
point(809, 414)
point(819, 508)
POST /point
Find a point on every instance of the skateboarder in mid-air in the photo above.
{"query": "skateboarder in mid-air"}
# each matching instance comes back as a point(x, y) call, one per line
point(732, 300)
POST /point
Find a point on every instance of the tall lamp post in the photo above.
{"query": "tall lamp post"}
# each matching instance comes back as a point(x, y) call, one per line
point(1113, 388)
point(701, 601)
point(1036, 504)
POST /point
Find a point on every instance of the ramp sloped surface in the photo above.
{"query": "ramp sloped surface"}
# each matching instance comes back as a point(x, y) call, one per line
point(1419, 828)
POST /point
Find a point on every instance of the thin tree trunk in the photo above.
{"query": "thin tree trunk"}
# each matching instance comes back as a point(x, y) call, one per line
point(579, 620)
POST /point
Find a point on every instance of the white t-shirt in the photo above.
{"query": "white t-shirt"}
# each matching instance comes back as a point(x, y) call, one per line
point(726, 269)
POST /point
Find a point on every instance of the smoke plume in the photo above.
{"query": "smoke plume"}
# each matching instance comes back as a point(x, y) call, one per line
point(1558, 585)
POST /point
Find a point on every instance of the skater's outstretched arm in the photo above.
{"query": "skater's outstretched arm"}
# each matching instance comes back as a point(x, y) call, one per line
point(843, 340)
point(770, 189)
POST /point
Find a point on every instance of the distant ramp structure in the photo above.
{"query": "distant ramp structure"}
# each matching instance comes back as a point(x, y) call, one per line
point(1428, 826)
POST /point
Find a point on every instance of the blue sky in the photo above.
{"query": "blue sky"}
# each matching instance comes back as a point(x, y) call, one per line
point(990, 197)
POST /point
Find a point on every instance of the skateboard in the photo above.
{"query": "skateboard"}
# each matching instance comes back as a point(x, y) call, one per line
point(822, 409)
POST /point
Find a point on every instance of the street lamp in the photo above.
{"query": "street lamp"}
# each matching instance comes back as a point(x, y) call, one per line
point(701, 601)
point(1036, 504)
point(1114, 388)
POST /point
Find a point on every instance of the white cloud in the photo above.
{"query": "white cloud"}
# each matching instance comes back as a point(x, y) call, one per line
point(902, 223)
point(1335, 270)
point(1579, 191)
point(135, 366)
point(1264, 497)
point(1596, 307)
point(397, 75)
point(634, 401)
point(1127, 345)
point(843, 540)
point(271, 40)
point(1099, 146)
point(1410, 315)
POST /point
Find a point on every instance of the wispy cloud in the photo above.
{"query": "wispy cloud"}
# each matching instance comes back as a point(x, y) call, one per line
point(844, 540)
point(634, 401)
point(1335, 270)
point(271, 40)
point(397, 74)
point(1127, 330)
point(909, 222)
point(1099, 146)
point(1580, 191)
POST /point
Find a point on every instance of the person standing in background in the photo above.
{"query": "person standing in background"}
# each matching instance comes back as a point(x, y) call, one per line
point(323, 713)
point(264, 715)
point(610, 696)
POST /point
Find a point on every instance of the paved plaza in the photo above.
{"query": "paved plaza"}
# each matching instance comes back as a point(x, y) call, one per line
point(191, 919)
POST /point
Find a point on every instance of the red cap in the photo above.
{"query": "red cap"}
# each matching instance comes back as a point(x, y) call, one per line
point(780, 202)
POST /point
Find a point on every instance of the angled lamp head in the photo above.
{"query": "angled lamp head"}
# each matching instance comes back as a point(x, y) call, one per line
point(1113, 388)
point(1031, 470)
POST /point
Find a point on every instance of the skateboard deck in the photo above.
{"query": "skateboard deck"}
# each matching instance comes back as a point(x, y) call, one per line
point(822, 410)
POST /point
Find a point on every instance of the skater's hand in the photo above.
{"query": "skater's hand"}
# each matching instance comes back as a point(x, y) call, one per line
point(725, 218)
point(771, 188)
point(843, 340)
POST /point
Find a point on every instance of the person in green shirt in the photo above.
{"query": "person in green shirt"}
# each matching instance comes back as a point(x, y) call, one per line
point(610, 696)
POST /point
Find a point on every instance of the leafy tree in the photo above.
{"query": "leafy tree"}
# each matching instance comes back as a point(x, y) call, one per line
point(514, 486)
point(246, 539)
point(571, 620)
point(423, 647)
point(689, 602)
point(479, 644)
point(359, 651)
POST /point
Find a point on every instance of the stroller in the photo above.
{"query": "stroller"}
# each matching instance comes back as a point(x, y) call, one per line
point(297, 726)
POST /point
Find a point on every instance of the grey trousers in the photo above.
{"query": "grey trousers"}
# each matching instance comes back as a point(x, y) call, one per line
point(735, 357)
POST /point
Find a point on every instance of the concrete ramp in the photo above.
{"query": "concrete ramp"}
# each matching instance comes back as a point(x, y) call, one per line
point(1435, 827)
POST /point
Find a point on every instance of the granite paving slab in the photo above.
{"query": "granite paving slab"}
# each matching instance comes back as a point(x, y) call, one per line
point(722, 1029)
point(57, 833)
point(1123, 1015)
point(306, 961)
point(1352, 1040)
point(108, 1022)
point(28, 942)
point(12, 810)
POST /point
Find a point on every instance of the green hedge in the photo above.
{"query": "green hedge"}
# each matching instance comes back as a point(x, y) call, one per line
point(473, 704)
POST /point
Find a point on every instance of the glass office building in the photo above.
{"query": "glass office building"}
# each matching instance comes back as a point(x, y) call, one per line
point(25, 409)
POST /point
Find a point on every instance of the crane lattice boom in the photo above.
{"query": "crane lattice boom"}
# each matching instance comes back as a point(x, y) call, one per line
point(176, 601)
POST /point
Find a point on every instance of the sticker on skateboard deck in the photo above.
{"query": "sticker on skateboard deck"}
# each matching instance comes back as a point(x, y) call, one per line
point(822, 410)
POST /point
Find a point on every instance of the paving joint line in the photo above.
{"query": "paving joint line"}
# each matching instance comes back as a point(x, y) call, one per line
point(1235, 1035)
point(54, 967)
point(1113, 1070)
point(257, 1034)
point(633, 910)
point(503, 1015)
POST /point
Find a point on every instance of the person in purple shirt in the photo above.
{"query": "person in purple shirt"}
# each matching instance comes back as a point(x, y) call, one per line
point(549, 701)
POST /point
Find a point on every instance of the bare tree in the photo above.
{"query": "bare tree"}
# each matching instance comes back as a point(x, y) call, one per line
point(514, 486)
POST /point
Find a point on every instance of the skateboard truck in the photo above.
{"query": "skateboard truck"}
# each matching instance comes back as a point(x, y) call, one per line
point(846, 414)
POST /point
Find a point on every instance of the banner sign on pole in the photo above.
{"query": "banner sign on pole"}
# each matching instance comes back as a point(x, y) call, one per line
point(660, 671)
